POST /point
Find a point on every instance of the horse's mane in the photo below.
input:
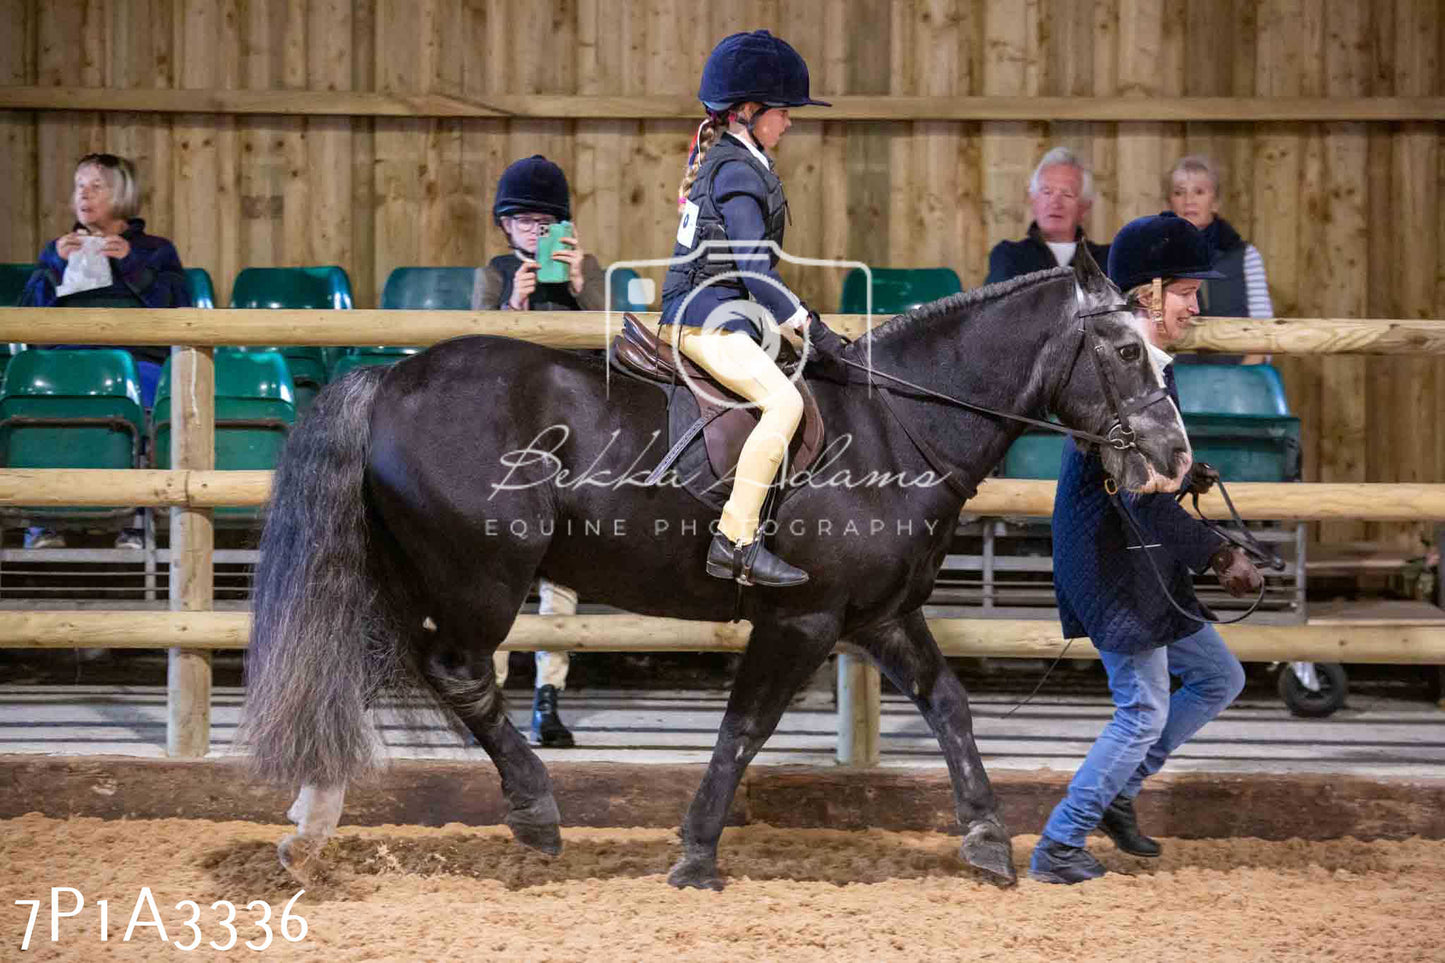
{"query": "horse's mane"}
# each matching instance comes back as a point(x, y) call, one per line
point(906, 322)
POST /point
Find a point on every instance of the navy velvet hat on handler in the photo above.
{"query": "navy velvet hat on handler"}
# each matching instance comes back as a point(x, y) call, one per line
point(1160, 246)
point(533, 184)
point(755, 67)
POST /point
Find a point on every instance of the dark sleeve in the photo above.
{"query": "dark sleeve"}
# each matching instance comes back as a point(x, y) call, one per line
point(1165, 521)
point(154, 273)
point(1101, 256)
point(40, 289)
point(998, 265)
point(487, 291)
point(593, 296)
point(740, 195)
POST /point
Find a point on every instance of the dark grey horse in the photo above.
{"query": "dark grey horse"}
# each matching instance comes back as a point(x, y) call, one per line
point(405, 530)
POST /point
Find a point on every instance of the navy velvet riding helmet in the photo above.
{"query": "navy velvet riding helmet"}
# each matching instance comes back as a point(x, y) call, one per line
point(755, 67)
point(533, 184)
point(1162, 246)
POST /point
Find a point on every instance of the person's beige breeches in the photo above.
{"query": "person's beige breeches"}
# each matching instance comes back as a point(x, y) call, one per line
point(738, 363)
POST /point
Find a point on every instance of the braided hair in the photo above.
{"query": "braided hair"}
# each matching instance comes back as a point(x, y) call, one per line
point(707, 134)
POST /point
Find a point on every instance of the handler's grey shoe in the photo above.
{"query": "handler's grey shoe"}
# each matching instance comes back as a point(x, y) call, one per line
point(1053, 862)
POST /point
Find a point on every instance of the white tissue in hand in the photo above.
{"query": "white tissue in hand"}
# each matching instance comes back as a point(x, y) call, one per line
point(87, 268)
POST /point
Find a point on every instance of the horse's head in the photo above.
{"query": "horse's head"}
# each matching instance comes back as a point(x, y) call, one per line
point(1112, 386)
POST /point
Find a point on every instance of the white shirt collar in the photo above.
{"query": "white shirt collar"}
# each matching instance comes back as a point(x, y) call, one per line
point(747, 142)
point(1162, 359)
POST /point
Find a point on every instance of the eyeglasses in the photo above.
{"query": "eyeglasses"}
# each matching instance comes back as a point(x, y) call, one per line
point(532, 224)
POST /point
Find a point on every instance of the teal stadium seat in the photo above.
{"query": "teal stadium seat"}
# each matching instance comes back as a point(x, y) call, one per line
point(367, 358)
point(203, 293)
point(429, 289)
point(622, 291)
point(255, 409)
point(1238, 420)
point(1036, 454)
point(296, 287)
point(896, 290)
point(71, 409)
point(13, 278)
point(292, 287)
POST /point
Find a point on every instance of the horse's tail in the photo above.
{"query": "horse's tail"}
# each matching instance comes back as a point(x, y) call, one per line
point(323, 642)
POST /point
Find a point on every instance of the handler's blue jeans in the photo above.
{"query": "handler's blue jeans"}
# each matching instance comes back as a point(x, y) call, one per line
point(1148, 724)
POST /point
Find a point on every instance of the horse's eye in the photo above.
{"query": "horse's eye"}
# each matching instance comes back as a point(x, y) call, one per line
point(1130, 353)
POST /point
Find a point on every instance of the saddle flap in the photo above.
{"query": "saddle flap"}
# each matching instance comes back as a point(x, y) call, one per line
point(640, 352)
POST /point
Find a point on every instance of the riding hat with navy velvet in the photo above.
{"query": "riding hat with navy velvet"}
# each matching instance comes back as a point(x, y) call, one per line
point(1161, 246)
point(755, 67)
point(533, 185)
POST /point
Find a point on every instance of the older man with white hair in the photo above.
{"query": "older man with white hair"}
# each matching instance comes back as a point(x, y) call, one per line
point(1060, 192)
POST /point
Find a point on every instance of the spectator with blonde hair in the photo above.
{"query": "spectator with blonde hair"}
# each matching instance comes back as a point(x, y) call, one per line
point(143, 271)
point(1192, 187)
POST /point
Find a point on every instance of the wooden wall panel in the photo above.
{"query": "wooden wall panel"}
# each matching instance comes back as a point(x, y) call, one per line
point(1415, 405)
point(1348, 216)
point(19, 151)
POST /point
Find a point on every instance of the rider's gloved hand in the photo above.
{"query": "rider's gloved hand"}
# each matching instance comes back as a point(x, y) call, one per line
point(1236, 572)
point(825, 349)
point(1202, 477)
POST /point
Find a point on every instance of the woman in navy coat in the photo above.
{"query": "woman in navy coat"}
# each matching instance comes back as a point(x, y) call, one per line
point(1107, 590)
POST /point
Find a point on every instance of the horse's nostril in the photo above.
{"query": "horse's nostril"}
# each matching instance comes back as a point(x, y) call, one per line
point(1182, 460)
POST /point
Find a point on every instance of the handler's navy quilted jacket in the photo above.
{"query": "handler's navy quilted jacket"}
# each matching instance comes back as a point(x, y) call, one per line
point(1105, 588)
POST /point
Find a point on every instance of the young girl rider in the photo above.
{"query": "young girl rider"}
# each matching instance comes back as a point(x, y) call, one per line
point(730, 193)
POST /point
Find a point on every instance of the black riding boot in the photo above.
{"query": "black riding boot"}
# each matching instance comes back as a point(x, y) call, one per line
point(547, 729)
point(750, 564)
point(1122, 826)
point(1054, 862)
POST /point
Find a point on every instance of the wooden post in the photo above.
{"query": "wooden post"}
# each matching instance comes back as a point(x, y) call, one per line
point(860, 707)
point(193, 434)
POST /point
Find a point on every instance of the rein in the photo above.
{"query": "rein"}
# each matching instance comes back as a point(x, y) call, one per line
point(1122, 437)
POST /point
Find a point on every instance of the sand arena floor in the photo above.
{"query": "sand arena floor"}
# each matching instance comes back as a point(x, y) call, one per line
point(456, 892)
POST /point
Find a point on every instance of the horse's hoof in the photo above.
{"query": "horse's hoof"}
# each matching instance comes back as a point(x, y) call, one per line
point(544, 839)
point(298, 855)
point(692, 873)
point(988, 849)
point(536, 826)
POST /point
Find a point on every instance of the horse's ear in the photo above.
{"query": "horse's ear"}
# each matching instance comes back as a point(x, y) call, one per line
point(1092, 280)
point(1090, 276)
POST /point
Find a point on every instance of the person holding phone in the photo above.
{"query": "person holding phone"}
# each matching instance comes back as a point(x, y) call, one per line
point(533, 199)
point(731, 196)
point(533, 202)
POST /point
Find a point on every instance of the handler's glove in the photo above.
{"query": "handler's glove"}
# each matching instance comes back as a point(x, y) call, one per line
point(1235, 571)
point(1202, 477)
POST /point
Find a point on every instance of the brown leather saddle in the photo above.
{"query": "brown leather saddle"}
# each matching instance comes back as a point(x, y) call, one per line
point(724, 427)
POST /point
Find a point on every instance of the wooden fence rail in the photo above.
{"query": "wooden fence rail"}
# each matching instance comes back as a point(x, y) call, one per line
point(584, 329)
point(1397, 642)
point(685, 107)
point(1256, 501)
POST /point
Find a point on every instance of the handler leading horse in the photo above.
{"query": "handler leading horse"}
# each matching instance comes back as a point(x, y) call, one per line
point(397, 502)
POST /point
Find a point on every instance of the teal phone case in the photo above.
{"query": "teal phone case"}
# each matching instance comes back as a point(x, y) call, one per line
point(549, 269)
